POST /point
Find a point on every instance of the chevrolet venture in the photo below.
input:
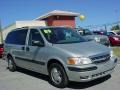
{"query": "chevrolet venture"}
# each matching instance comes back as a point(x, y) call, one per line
point(59, 52)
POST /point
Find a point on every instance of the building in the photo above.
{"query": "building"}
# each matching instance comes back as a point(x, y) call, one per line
point(59, 18)
point(53, 18)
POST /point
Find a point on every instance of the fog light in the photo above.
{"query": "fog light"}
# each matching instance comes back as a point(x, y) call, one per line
point(84, 77)
point(115, 61)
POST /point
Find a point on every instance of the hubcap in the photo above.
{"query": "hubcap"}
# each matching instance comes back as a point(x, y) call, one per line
point(56, 76)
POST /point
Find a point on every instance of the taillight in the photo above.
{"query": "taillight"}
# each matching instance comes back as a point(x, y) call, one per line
point(1, 49)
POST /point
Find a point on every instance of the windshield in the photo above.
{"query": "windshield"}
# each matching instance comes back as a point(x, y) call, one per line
point(61, 35)
point(88, 32)
point(118, 33)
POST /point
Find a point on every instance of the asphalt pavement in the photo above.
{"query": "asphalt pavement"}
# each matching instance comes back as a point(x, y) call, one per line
point(28, 80)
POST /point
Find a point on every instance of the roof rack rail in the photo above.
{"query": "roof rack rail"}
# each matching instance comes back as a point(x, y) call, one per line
point(25, 27)
point(22, 27)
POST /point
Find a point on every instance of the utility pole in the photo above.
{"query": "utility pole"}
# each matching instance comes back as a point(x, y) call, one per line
point(1, 35)
point(105, 27)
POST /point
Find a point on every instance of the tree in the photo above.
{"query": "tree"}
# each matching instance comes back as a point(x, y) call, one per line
point(116, 27)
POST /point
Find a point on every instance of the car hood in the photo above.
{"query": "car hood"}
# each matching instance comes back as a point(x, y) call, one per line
point(118, 36)
point(86, 49)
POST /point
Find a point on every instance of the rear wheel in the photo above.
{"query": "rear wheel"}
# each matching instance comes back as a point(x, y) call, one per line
point(57, 75)
point(11, 64)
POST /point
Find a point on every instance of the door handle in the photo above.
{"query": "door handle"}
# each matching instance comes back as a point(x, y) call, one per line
point(23, 48)
point(27, 49)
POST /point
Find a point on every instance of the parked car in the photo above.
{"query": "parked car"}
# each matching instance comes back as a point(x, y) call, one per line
point(89, 35)
point(1, 50)
point(59, 52)
point(100, 32)
point(113, 38)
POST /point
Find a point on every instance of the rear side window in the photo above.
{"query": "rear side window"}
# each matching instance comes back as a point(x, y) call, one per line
point(17, 37)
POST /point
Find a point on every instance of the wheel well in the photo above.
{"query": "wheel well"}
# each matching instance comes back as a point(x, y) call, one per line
point(9, 55)
point(53, 61)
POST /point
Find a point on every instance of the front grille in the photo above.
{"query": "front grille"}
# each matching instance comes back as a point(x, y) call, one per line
point(101, 59)
point(103, 40)
point(102, 73)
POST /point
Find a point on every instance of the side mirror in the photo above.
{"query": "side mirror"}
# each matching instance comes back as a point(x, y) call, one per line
point(38, 43)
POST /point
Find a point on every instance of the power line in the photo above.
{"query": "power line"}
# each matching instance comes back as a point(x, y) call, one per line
point(103, 25)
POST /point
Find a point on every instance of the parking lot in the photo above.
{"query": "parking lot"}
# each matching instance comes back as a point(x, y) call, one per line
point(27, 80)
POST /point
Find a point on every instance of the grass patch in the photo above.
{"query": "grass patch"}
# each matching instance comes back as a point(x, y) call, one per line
point(116, 51)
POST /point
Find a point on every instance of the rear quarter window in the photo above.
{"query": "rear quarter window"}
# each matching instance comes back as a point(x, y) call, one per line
point(17, 37)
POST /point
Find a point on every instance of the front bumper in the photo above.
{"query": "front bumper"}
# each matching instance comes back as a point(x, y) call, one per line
point(114, 42)
point(90, 72)
point(107, 43)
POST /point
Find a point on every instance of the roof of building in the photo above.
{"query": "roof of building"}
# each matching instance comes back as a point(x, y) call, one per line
point(57, 12)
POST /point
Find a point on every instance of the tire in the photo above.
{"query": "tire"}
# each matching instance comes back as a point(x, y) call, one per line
point(111, 45)
point(11, 64)
point(58, 77)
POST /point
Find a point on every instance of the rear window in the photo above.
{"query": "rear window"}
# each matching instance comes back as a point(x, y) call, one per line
point(17, 37)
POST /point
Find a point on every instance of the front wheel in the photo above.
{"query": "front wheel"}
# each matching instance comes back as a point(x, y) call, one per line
point(57, 75)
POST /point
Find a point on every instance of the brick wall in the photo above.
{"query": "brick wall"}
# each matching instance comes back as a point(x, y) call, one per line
point(61, 21)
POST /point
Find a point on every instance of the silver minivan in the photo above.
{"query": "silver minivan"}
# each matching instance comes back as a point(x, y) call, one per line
point(59, 52)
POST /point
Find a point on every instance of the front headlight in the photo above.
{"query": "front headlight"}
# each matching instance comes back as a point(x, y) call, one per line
point(111, 53)
point(115, 38)
point(78, 61)
point(97, 39)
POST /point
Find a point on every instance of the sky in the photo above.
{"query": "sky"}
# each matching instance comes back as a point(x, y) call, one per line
point(97, 12)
